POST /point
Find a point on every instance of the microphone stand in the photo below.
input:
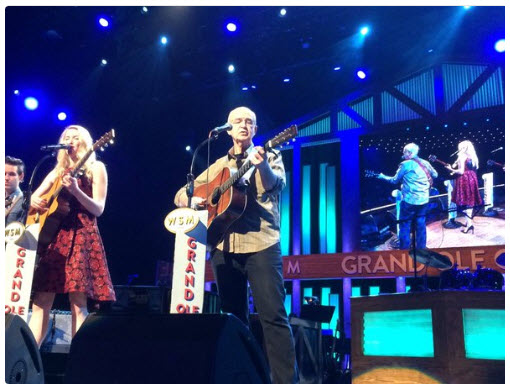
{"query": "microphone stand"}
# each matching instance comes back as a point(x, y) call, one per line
point(190, 187)
point(27, 195)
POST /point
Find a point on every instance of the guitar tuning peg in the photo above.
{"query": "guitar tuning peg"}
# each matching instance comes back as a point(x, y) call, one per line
point(102, 149)
point(111, 141)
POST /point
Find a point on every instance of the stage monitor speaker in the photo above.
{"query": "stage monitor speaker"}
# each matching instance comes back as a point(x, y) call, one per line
point(23, 363)
point(170, 348)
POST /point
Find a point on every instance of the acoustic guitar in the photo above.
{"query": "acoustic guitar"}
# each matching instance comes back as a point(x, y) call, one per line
point(58, 200)
point(225, 201)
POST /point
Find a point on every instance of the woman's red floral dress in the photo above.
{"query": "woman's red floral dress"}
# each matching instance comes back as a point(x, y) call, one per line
point(75, 260)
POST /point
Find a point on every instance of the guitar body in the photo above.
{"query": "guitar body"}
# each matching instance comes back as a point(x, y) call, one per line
point(50, 220)
point(223, 209)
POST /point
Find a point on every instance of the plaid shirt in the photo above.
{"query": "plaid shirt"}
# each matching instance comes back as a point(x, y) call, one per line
point(415, 184)
point(259, 226)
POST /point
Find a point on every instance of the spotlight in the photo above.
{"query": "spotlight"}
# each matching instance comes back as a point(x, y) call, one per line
point(467, 7)
point(144, 10)
point(103, 22)
point(465, 123)
point(104, 62)
point(446, 126)
point(231, 27)
point(163, 40)
point(231, 68)
point(245, 88)
point(499, 46)
point(336, 68)
point(286, 80)
point(188, 148)
point(364, 30)
point(62, 116)
point(431, 50)
point(283, 12)
point(16, 92)
point(31, 103)
point(254, 87)
point(361, 74)
point(427, 128)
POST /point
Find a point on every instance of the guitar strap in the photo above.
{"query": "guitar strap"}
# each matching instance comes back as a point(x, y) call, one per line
point(427, 173)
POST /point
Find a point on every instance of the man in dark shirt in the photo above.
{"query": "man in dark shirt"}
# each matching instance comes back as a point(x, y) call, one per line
point(14, 174)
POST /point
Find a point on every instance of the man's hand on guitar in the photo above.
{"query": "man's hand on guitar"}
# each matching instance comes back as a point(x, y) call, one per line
point(70, 183)
point(258, 156)
point(197, 202)
point(40, 205)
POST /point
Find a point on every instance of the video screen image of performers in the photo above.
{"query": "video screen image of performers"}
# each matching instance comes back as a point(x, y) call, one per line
point(442, 187)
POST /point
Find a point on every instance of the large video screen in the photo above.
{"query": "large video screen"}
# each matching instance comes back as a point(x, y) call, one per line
point(447, 224)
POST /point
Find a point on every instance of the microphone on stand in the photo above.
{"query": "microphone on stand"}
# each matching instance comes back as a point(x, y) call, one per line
point(499, 148)
point(55, 147)
point(223, 128)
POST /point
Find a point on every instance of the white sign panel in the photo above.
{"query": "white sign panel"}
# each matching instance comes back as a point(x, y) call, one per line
point(20, 256)
point(190, 228)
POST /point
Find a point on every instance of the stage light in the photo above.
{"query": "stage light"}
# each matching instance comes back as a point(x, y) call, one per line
point(163, 40)
point(231, 68)
point(103, 22)
point(361, 74)
point(188, 148)
point(104, 62)
point(465, 123)
point(145, 10)
point(499, 46)
point(427, 128)
point(286, 80)
point(231, 27)
point(336, 68)
point(253, 87)
point(245, 88)
point(283, 12)
point(31, 103)
point(446, 125)
point(62, 116)
point(16, 92)
point(364, 30)
point(487, 120)
point(467, 7)
point(431, 50)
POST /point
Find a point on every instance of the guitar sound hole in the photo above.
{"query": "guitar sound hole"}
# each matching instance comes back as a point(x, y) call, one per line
point(216, 195)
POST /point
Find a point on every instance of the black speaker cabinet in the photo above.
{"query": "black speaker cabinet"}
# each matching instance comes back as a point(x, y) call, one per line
point(22, 359)
point(169, 348)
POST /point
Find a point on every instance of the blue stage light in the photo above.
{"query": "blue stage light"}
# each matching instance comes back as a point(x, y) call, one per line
point(62, 116)
point(283, 12)
point(361, 74)
point(245, 88)
point(144, 10)
point(231, 68)
point(231, 27)
point(286, 80)
point(188, 148)
point(16, 92)
point(31, 103)
point(104, 62)
point(499, 46)
point(336, 68)
point(163, 40)
point(103, 22)
point(364, 30)
point(254, 87)
point(467, 7)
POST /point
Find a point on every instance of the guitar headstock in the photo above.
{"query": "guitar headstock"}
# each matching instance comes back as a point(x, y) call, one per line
point(371, 174)
point(105, 140)
point(432, 158)
point(284, 136)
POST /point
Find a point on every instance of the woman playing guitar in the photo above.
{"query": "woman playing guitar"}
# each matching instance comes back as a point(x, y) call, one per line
point(74, 262)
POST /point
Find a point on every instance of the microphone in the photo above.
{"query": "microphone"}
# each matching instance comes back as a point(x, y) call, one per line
point(452, 154)
point(499, 148)
point(225, 127)
point(55, 147)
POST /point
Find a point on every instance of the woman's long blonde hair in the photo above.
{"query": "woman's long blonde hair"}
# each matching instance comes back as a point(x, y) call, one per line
point(466, 148)
point(64, 162)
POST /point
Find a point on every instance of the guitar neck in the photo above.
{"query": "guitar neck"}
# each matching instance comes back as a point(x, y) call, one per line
point(441, 162)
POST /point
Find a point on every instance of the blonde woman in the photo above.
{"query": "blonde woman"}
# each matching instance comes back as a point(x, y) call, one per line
point(75, 261)
point(465, 190)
